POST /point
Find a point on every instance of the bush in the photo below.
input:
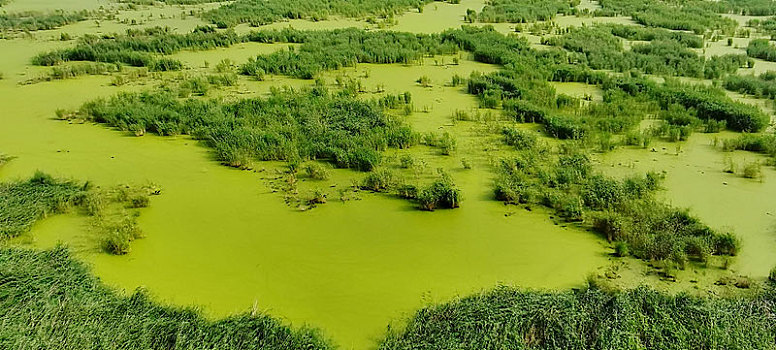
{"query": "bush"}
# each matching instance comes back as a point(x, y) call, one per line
point(316, 171)
point(441, 194)
point(518, 138)
point(379, 181)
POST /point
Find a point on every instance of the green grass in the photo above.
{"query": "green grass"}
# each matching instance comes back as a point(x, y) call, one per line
point(113, 211)
point(510, 318)
point(25, 202)
point(287, 125)
point(51, 301)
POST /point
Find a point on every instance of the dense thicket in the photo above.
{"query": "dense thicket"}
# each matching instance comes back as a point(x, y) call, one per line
point(327, 50)
point(522, 90)
point(50, 301)
point(32, 21)
point(288, 125)
point(25, 202)
point(696, 15)
point(762, 49)
point(666, 54)
point(761, 86)
point(652, 34)
point(138, 47)
point(509, 318)
point(523, 11)
point(623, 211)
point(260, 12)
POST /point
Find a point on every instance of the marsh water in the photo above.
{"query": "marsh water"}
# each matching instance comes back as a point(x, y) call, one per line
point(220, 238)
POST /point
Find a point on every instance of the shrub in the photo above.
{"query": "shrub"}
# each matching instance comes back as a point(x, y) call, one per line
point(441, 194)
point(379, 181)
point(518, 138)
point(316, 171)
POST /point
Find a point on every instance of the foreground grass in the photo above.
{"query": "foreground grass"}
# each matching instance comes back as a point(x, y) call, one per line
point(509, 318)
point(50, 301)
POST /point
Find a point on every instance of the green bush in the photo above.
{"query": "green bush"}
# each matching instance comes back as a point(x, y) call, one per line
point(379, 181)
point(441, 194)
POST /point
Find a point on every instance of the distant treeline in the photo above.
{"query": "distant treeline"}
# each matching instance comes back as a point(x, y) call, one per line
point(288, 125)
point(510, 318)
point(51, 301)
point(261, 12)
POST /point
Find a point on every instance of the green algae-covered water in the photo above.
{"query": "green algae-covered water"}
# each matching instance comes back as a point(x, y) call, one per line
point(220, 238)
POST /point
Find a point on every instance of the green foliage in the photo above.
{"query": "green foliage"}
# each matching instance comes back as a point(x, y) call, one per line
point(762, 86)
point(379, 181)
point(510, 318)
point(316, 171)
point(520, 139)
point(117, 233)
point(637, 33)
point(623, 210)
point(261, 12)
point(440, 194)
point(24, 203)
point(311, 124)
point(621, 249)
point(32, 21)
point(50, 301)
point(138, 47)
point(666, 53)
point(697, 16)
point(328, 50)
point(762, 49)
point(524, 11)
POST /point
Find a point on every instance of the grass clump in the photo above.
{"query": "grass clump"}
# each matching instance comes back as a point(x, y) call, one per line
point(592, 318)
point(623, 210)
point(379, 181)
point(316, 171)
point(440, 194)
point(113, 211)
point(309, 124)
point(25, 202)
point(520, 139)
point(261, 12)
point(51, 301)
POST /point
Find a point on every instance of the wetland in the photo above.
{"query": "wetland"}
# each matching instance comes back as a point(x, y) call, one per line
point(264, 174)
